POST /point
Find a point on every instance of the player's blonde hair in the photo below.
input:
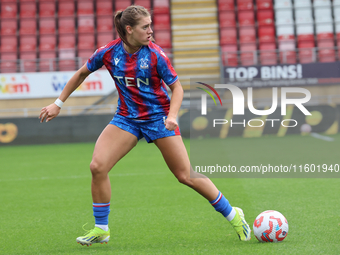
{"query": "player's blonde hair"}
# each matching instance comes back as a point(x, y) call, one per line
point(129, 17)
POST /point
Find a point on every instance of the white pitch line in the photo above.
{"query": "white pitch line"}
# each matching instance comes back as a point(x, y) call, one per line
point(322, 137)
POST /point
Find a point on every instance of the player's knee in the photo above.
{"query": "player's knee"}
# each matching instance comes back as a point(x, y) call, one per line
point(185, 179)
point(96, 168)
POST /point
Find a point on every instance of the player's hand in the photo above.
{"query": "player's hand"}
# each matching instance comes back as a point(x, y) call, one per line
point(171, 124)
point(49, 112)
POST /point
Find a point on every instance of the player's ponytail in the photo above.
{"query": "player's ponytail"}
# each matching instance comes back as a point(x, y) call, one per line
point(129, 17)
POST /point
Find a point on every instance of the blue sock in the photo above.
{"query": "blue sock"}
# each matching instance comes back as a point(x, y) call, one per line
point(221, 204)
point(101, 213)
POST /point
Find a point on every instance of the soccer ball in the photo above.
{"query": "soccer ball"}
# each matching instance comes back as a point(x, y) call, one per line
point(270, 226)
point(306, 128)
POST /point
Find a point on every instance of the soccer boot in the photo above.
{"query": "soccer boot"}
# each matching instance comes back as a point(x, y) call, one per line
point(240, 225)
point(96, 235)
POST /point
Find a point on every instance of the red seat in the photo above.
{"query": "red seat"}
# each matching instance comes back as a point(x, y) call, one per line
point(264, 4)
point(86, 42)
point(47, 26)
point(46, 9)
point(287, 52)
point(8, 43)
point(28, 43)
point(144, 3)
point(228, 36)
point(246, 18)
point(85, 7)
point(85, 24)
point(326, 51)
point(67, 60)
point(122, 4)
point(66, 25)
point(161, 22)
point(163, 38)
point(8, 63)
point(67, 41)
point(229, 55)
point(248, 54)
point(47, 43)
point(8, 26)
point(227, 19)
point(28, 62)
point(265, 17)
point(28, 10)
point(21, 1)
point(266, 34)
point(28, 27)
point(226, 5)
point(247, 35)
point(104, 7)
point(104, 23)
point(268, 54)
point(103, 39)
point(84, 55)
point(245, 5)
point(47, 61)
point(161, 7)
point(9, 10)
point(66, 9)
point(306, 51)
point(325, 36)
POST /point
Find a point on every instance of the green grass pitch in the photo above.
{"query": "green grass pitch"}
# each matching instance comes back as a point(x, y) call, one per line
point(45, 200)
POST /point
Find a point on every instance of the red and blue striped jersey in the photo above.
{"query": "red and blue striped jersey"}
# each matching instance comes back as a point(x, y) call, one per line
point(140, 78)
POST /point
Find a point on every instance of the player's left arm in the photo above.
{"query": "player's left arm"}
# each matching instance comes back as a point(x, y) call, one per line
point(175, 105)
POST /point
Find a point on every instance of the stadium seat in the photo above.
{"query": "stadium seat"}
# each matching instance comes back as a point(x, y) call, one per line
point(322, 3)
point(161, 7)
point(226, 5)
point(47, 26)
point(67, 60)
point(266, 34)
point(228, 36)
point(336, 12)
point(8, 62)
point(28, 62)
point(336, 3)
point(247, 35)
point(326, 51)
point(337, 31)
point(265, 17)
point(86, 42)
point(229, 55)
point(8, 44)
point(324, 31)
point(246, 18)
point(243, 5)
point(28, 43)
point(47, 43)
point(268, 54)
point(287, 52)
point(66, 25)
point(67, 41)
point(84, 55)
point(66, 9)
point(323, 15)
point(283, 4)
point(161, 22)
point(8, 10)
point(285, 33)
point(47, 61)
point(264, 4)
point(104, 38)
point(303, 16)
point(248, 54)
point(122, 4)
point(104, 23)
point(284, 17)
point(85, 7)
point(306, 51)
point(302, 4)
point(47, 9)
point(163, 38)
point(85, 24)
point(104, 7)
point(28, 10)
point(305, 33)
point(28, 27)
point(144, 3)
point(8, 26)
point(227, 19)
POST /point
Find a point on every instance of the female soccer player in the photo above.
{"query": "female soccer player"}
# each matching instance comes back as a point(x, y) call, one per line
point(139, 69)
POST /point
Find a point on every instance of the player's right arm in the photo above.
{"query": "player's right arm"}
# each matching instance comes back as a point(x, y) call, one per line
point(51, 111)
